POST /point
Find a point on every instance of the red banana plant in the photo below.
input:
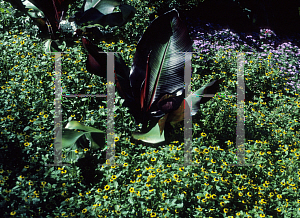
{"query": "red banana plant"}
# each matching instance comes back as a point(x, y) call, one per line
point(154, 89)
point(47, 13)
point(94, 15)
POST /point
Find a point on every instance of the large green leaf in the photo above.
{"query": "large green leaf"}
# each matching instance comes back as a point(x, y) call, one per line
point(33, 11)
point(104, 6)
point(97, 13)
point(153, 136)
point(70, 137)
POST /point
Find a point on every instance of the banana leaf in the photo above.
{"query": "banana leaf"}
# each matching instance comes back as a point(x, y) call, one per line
point(158, 67)
point(100, 13)
point(47, 14)
point(88, 137)
point(96, 62)
point(70, 137)
point(51, 11)
point(52, 46)
point(157, 78)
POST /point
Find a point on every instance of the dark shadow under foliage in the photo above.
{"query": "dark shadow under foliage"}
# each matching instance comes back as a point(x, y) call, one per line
point(88, 168)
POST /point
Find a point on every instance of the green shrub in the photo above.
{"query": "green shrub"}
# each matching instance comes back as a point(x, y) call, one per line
point(147, 181)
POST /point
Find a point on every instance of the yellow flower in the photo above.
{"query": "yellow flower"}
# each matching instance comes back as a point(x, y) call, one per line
point(63, 171)
point(121, 41)
point(107, 187)
point(84, 210)
point(153, 214)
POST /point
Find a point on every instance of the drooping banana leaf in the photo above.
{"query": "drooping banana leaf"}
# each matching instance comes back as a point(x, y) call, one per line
point(33, 11)
point(54, 11)
point(100, 13)
point(47, 14)
point(153, 136)
point(70, 137)
point(88, 137)
point(29, 9)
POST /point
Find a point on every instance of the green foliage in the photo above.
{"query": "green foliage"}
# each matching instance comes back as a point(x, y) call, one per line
point(178, 4)
point(147, 181)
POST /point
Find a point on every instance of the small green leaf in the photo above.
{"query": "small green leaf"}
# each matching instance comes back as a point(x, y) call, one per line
point(179, 205)
point(131, 201)
point(116, 184)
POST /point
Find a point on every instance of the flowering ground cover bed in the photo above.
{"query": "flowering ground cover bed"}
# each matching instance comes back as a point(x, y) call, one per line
point(151, 181)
